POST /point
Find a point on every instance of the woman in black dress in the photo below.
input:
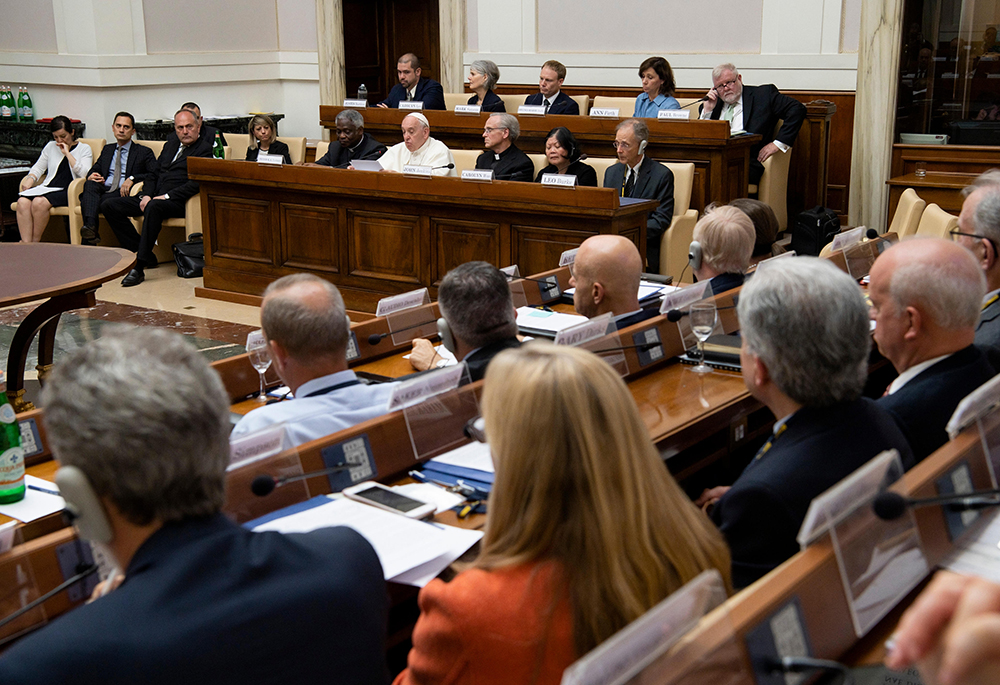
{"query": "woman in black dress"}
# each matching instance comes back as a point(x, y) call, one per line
point(563, 153)
point(263, 138)
point(483, 77)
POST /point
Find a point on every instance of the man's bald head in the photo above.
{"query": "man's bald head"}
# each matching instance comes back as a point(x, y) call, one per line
point(606, 273)
point(305, 315)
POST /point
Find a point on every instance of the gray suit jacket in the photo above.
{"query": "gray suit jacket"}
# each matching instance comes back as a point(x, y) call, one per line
point(988, 330)
point(655, 182)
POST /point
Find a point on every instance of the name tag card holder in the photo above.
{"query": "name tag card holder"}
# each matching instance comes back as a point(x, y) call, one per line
point(417, 170)
point(243, 505)
point(258, 445)
point(531, 110)
point(478, 175)
point(436, 407)
point(412, 105)
point(516, 285)
point(845, 239)
point(268, 159)
point(568, 257)
point(605, 113)
point(355, 104)
point(406, 317)
point(559, 181)
point(468, 109)
point(600, 336)
point(860, 257)
point(681, 300)
point(770, 262)
point(674, 115)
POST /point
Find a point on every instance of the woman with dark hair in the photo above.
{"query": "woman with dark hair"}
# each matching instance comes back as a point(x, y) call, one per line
point(61, 161)
point(764, 223)
point(563, 153)
point(657, 88)
point(483, 77)
point(263, 138)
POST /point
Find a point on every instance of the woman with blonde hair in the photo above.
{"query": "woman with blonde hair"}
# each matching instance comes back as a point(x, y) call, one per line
point(587, 529)
point(264, 138)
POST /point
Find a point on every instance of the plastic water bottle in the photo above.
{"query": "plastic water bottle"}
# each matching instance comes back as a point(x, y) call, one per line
point(363, 93)
point(11, 454)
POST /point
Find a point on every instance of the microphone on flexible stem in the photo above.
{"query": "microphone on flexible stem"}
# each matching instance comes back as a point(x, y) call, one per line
point(889, 506)
point(675, 315)
point(444, 166)
point(871, 234)
point(264, 484)
point(82, 573)
point(643, 347)
point(376, 338)
point(691, 104)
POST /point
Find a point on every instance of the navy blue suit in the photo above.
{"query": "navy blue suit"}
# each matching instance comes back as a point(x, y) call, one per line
point(428, 91)
point(654, 182)
point(205, 601)
point(724, 282)
point(491, 103)
point(563, 104)
point(138, 166)
point(923, 406)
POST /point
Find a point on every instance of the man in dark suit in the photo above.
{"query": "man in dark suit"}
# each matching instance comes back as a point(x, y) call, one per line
point(478, 320)
point(979, 231)
point(638, 176)
point(502, 155)
point(926, 295)
point(413, 86)
point(754, 109)
point(206, 130)
point(352, 143)
point(721, 247)
point(804, 354)
point(550, 82)
point(203, 599)
point(121, 165)
point(164, 195)
point(606, 274)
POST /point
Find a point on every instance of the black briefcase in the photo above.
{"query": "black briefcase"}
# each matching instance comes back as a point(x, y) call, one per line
point(190, 257)
point(813, 229)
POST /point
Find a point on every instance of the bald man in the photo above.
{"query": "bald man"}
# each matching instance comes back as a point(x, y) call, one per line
point(418, 149)
point(606, 276)
point(926, 294)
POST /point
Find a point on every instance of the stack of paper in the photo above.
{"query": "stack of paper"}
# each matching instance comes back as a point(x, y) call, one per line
point(472, 464)
point(539, 322)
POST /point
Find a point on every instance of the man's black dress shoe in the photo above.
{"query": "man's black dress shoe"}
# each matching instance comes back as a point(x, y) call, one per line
point(134, 277)
point(88, 236)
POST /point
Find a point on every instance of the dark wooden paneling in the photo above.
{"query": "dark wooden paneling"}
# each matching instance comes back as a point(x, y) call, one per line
point(385, 246)
point(538, 249)
point(364, 48)
point(309, 238)
point(253, 241)
point(457, 242)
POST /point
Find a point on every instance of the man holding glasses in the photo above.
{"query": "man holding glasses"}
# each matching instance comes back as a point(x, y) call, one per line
point(754, 109)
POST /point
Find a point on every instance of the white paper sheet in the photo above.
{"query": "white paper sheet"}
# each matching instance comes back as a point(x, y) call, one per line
point(366, 165)
point(36, 191)
point(461, 541)
point(35, 504)
point(475, 455)
point(541, 320)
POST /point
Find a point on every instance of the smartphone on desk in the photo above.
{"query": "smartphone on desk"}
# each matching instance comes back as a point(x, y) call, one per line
point(385, 498)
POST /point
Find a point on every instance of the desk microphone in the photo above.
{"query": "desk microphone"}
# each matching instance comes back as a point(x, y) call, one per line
point(643, 347)
point(691, 104)
point(542, 281)
point(444, 166)
point(675, 315)
point(871, 234)
point(889, 506)
point(376, 338)
point(264, 484)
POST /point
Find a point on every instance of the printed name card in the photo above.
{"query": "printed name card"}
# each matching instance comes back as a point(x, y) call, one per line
point(845, 239)
point(429, 384)
point(604, 112)
point(257, 445)
point(773, 261)
point(481, 175)
point(559, 180)
point(511, 271)
point(418, 170)
point(356, 104)
point(674, 114)
point(585, 332)
point(680, 299)
point(568, 257)
point(532, 110)
point(468, 109)
point(265, 158)
point(411, 104)
point(397, 303)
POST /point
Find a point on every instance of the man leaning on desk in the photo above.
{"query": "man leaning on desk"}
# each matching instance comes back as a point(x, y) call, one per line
point(412, 86)
point(139, 423)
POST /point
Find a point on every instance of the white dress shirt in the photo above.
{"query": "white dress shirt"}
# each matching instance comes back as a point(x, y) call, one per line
point(432, 153)
point(912, 372)
point(736, 124)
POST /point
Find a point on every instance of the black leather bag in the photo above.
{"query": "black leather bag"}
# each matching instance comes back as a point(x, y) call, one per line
point(190, 257)
point(813, 229)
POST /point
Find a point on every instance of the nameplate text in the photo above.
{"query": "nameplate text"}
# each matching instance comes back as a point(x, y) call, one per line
point(585, 332)
point(397, 303)
point(257, 445)
point(483, 175)
point(468, 109)
point(411, 104)
point(418, 170)
point(605, 112)
point(680, 299)
point(683, 114)
point(356, 104)
point(265, 158)
point(568, 257)
point(426, 385)
point(532, 110)
point(559, 180)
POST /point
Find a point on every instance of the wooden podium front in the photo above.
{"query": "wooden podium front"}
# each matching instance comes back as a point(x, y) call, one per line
point(380, 234)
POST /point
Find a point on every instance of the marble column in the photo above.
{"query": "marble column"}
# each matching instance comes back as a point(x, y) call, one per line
point(875, 111)
point(451, 21)
point(330, 44)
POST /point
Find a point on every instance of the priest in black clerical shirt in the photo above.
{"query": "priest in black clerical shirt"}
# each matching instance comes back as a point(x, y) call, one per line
point(352, 142)
point(502, 156)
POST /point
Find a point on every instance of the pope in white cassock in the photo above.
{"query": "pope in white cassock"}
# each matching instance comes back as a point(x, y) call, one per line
point(418, 148)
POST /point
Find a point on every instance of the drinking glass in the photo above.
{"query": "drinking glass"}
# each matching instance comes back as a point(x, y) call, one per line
point(703, 316)
point(260, 358)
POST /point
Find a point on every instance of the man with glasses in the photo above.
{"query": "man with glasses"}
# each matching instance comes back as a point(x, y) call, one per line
point(638, 176)
point(754, 109)
point(352, 143)
point(979, 231)
point(502, 156)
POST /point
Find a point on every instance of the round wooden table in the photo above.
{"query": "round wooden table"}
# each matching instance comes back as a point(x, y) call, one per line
point(66, 277)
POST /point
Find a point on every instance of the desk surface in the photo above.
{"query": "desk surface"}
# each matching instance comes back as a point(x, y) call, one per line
point(33, 271)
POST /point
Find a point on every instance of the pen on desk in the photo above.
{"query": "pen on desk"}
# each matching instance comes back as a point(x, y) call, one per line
point(45, 490)
point(417, 475)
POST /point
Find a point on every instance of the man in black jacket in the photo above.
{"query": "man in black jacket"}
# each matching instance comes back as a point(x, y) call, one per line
point(412, 86)
point(550, 95)
point(352, 143)
point(121, 165)
point(502, 156)
point(164, 195)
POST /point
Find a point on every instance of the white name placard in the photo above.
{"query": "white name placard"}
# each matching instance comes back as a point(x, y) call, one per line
point(426, 385)
point(585, 332)
point(265, 158)
point(484, 175)
point(605, 112)
point(845, 239)
point(532, 110)
point(773, 261)
point(411, 104)
point(416, 170)
point(513, 272)
point(683, 114)
point(468, 109)
point(679, 299)
point(356, 104)
point(559, 180)
point(568, 257)
point(397, 303)
point(257, 445)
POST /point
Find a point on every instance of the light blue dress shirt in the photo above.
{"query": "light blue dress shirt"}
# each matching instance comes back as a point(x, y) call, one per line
point(309, 418)
point(114, 162)
point(645, 108)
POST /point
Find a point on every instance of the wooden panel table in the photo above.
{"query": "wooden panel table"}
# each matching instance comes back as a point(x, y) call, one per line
point(942, 188)
point(379, 234)
point(721, 162)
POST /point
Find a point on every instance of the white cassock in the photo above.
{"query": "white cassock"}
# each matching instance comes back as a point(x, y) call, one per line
point(432, 153)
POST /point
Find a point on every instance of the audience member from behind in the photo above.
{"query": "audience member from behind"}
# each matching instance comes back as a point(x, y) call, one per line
point(413, 86)
point(805, 332)
point(352, 142)
point(264, 138)
point(62, 160)
point(564, 156)
point(419, 149)
point(139, 423)
point(765, 225)
point(550, 95)
point(926, 294)
point(505, 158)
point(478, 320)
point(720, 250)
point(561, 568)
point(483, 77)
point(307, 331)
point(979, 231)
point(606, 276)
point(657, 88)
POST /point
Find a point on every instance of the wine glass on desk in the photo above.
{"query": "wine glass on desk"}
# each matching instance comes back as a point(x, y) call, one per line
point(260, 358)
point(703, 317)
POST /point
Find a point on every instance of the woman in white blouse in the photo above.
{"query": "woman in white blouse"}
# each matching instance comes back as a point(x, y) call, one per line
point(61, 161)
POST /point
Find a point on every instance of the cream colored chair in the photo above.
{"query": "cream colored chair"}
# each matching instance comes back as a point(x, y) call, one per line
point(451, 100)
point(512, 102)
point(540, 161)
point(676, 240)
point(625, 106)
point(239, 142)
point(936, 223)
point(584, 102)
point(600, 165)
point(908, 213)
point(773, 187)
point(465, 159)
point(322, 147)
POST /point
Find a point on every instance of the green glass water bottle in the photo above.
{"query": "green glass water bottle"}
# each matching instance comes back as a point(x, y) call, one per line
point(7, 104)
point(218, 151)
point(11, 454)
point(27, 111)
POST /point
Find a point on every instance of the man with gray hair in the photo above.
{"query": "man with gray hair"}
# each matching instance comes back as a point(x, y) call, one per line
point(926, 294)
point(805, 335)
point(139, 423)
point(419, 149)
point(502, 156)
point(352, 143)
point(478, 320)
point(721, 247)
point(636, 175)
point(307, 331)
point(979, 231)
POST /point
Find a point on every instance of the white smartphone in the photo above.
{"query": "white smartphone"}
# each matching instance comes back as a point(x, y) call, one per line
point(382, 497)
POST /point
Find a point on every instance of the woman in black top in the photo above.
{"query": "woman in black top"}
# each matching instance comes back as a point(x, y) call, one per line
point(563, 153)
point(263, 138)
point(483, 77)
